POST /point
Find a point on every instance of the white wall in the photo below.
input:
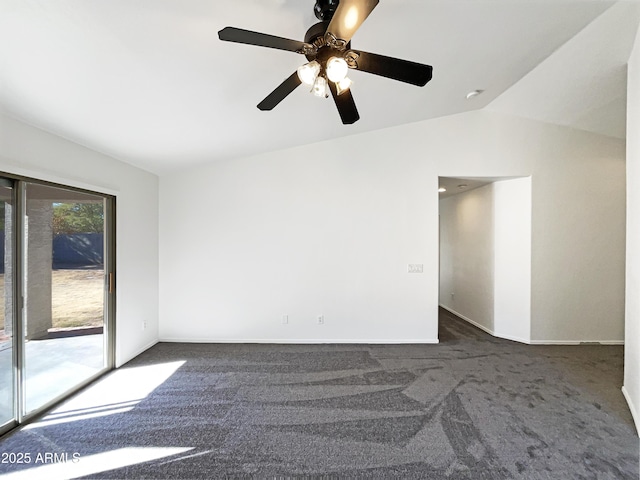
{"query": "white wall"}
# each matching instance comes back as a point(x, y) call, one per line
point(631, 387)
point(578, 243)
point(578, 233)
point(319, 230)
point(466, 255)
point(512, 259)
point(25, 150)
point(330, 228)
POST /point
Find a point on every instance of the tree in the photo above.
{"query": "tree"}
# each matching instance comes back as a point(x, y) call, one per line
point(78, 218)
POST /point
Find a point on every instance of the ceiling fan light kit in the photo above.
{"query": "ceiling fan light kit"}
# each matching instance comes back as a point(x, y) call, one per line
point(327, 47)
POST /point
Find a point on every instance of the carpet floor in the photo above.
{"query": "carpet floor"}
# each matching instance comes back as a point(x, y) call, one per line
point(473, 407)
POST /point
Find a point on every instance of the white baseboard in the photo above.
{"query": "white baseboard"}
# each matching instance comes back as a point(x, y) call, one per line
point(533, 342)
point(472, 322)
point(514, 339)
point(138, 352)
point(485, 329)
point(634, 412)
point(304, 341)
point(576, 342)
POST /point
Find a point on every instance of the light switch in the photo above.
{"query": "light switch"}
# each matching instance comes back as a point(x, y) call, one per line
point(416, 267)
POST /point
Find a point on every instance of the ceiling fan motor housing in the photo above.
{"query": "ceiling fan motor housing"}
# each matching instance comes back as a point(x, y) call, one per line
point(316, 36)
point(316, 31)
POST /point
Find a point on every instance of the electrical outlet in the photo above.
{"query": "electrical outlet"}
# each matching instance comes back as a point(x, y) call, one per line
point(285, 319)
point(144, 324)
point(320, 319)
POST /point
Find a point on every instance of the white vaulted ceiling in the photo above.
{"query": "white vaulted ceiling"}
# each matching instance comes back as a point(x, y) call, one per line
point(149, 82)
point(583, 84)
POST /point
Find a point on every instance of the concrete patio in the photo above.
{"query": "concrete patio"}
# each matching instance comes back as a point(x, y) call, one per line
point(52, 366)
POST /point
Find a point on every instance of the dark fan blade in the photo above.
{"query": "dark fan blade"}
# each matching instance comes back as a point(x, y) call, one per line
point(395, 68)
point(346, 106)
point(238, 35)
point(349, 16)
point(280, 93)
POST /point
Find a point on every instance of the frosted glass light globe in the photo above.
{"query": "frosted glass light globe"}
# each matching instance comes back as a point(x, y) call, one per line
point(320, 87)
point(308, 72)
point(337, 69)
point(343, 85)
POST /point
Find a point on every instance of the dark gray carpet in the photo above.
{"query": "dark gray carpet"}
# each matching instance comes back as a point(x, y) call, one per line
point(473, 407)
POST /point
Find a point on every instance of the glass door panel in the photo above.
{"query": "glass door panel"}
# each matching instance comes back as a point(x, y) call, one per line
point(64, 291)
point(7, 371)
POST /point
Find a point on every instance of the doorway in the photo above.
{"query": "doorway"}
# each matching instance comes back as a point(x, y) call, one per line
point(485, 253)
point(57, 294)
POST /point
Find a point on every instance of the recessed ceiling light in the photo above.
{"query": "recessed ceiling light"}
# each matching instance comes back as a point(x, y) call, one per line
point(442, 190)
point(463, 185)
point(474, 93)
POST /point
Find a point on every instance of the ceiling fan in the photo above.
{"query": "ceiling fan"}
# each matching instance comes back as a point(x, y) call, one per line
point(327, 46)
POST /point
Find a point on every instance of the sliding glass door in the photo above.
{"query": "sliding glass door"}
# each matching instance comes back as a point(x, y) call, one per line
point(64, 282)
point(60, 335)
